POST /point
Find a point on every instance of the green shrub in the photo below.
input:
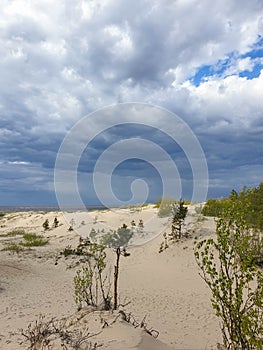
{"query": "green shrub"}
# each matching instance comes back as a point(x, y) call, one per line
point(228, 268)
point(215, 207)
point(119, 238)
point(83, 287)
point(2, 215)
point(253, 196)
point(68, 251)
point(91, 283)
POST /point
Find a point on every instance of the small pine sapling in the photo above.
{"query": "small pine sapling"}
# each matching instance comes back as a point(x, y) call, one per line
point(55, 222)
point(179, 214)
point(46, 225)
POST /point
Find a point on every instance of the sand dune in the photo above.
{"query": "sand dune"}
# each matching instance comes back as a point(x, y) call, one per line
point(166, 287)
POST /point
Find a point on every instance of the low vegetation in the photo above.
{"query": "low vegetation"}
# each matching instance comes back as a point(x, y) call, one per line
point(116, 238)
point(55, 222)
point(13, 233)
point(119, 238)
point(92, 281)
point(42, 333)
point(228, 268)
point(33, 240)
point(165, 206)
point(179, 212)
point(28, 240)
point(13, 247)
point(253, 196)
point(46, 225)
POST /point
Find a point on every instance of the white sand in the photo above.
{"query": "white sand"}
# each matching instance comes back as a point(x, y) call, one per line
point(166, 287)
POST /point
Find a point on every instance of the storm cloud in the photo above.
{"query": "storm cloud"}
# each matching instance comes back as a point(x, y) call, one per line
point(60, 61)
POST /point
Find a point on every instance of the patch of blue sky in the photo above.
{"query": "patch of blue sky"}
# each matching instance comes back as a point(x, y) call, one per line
point(201, 75)
point(257, 50)
point(206, 71)
point(256, 55)
point(253, 73)
point(221, 67)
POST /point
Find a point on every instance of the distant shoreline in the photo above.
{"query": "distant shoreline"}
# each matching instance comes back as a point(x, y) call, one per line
point(36, 208)
point(66, 208)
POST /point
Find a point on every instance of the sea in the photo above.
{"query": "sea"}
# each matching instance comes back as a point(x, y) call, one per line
point(13, 209)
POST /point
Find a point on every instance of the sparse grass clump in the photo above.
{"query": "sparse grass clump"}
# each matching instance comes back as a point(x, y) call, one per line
point(43, 334)
point(29, 240)
point(165, 206)
point(33, 240)
point(13, 247)
point(13, 233)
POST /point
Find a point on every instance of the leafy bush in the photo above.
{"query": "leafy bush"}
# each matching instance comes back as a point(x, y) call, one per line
point(253, 196)
point(83, 286)
point(119, 238)
point(228, 268)
point(215, 207)
point(91, 283)
point(255, 215)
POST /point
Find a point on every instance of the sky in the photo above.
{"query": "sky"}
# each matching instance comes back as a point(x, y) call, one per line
point(62, 61)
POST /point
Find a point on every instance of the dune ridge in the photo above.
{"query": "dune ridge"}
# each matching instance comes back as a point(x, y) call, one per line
point(166, 287)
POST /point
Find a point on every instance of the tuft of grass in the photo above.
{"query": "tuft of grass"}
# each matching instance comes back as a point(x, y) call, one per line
point(29, 240)
point(13, 247)
point(13, 233)
point(31, 236)
point(33, 240)
point(2, 215)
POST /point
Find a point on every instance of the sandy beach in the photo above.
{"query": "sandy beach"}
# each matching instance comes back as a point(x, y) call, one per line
point(163, 287)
